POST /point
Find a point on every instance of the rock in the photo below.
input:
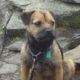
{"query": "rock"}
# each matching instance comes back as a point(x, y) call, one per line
point(59, 8)
point(72, 1)
point(6, 68)
point(3, 3)
point(11, 76)
point(3, 9)
point(17, 75)
point(56, 6)
point(15, 22)
point(73, 54)
point(15, 26)
point(5, 53)
point(63, 43)
point(14, 59)
point(75, 41)
point(16, 46)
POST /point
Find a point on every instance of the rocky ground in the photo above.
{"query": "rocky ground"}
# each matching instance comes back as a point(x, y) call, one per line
point(9, 65)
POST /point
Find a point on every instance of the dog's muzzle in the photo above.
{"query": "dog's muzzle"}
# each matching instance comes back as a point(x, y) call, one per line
point(46, 34)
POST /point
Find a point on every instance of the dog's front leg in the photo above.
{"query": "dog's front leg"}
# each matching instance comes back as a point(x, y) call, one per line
point(24, 72)
point(59, 73)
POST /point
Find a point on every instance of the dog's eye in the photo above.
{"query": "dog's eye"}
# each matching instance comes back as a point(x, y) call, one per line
point(52, 22)
point(37, 23)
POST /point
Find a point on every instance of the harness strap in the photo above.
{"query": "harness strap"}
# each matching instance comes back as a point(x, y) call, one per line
point(34, 56)
point(31, 70)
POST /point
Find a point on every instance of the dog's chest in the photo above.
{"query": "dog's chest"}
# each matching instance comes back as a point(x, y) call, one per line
point(45, 63)
point(41, 60)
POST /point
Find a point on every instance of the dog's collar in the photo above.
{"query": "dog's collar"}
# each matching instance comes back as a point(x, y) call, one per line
point(47, 53)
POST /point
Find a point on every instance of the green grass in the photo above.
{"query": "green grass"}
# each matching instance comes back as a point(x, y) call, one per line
point(13, 39)
point(70, 21)
point(1, 29)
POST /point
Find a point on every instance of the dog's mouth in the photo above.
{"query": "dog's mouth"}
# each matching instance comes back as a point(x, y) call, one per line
point(45, 36)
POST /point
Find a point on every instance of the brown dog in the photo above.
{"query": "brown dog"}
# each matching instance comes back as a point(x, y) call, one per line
point(42, 47)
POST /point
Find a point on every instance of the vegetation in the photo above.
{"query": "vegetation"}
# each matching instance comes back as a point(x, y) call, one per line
point(13, 39)
point(70, 21)
point(1, 29)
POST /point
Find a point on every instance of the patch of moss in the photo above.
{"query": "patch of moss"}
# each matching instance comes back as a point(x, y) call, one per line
point(1, 29)
point(13, 39)
point(69, 21)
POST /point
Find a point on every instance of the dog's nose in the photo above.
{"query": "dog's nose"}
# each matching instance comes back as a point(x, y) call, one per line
point(49, 30)
point(46, 32)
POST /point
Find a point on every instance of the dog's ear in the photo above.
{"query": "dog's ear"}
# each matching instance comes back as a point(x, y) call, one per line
point(51, 13)
point(26, 16)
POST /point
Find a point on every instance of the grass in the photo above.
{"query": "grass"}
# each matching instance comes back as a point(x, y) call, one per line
point(70, 21)
point(10, 39)
point(13, 39)
point(1, 29)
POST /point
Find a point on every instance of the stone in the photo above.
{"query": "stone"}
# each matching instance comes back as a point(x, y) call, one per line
point(14, 59)
point(56, 6)
point(75, 41)
point(3, 4)
point(7, 68)
point(72, 1)
point(60, 9)
point(15, 22)
point(11, 76)
point(63, 43)
point(17, 75)
point(73, 54)
point(16, 46)
point(15, 26)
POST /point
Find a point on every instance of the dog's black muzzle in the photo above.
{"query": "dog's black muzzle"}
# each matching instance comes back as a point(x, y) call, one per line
point(46, 34)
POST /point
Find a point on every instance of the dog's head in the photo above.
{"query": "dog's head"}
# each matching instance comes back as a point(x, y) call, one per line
point(41, 25)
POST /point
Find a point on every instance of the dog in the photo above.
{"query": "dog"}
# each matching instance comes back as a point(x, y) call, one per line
point(40, 51)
